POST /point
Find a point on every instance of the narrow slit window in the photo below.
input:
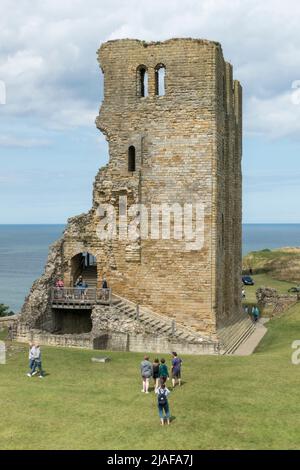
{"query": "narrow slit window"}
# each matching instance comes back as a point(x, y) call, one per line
point(142, 81)
point(131, 158)
point(160, 73)
point(223, 231)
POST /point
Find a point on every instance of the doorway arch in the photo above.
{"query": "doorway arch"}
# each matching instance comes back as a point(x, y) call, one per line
point(85, 265)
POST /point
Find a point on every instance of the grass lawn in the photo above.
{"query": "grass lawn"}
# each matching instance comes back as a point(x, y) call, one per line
point(264, 280)
point(226, 402)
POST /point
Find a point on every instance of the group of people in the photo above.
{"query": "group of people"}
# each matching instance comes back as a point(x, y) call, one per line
point(158, 371)
point(253, 312)
point(80, 286)
point(35, 361)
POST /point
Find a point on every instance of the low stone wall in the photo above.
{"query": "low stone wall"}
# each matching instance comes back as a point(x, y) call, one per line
point(5, 322)
point(26, 335)
point(115, 341)
point(141, 343)
point(273, 303)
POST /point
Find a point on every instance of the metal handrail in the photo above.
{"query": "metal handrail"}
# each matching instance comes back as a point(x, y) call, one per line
point(170, 321)
point(79, 294)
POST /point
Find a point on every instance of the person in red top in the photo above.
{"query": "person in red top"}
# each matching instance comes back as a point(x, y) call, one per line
point(59, 283)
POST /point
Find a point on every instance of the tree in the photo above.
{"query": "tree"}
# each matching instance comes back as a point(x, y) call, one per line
point(4, 311)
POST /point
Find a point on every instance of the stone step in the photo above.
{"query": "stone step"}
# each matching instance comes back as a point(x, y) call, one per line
point(156, 324)
point(236, 335)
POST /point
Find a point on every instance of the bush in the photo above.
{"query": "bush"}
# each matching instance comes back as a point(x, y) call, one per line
point(4, 311)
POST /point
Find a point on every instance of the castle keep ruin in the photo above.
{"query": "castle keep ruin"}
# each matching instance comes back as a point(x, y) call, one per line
point(172, 115)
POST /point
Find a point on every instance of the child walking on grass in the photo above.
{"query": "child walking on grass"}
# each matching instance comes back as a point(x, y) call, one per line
point(163, 404)
point(163, 371)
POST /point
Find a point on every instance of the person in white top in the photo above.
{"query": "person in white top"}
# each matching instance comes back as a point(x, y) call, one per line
point(31, 357)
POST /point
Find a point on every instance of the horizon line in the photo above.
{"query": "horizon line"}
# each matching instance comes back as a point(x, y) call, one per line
point(65, 223)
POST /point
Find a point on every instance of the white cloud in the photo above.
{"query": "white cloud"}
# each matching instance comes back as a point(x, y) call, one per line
point(48, 59)
point(13, 141)
point(275, 117)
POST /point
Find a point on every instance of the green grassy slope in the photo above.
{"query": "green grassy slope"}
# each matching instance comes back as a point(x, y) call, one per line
point(282, 264)
point(225, 402)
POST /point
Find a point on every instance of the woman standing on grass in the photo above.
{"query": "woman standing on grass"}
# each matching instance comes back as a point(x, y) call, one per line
point(163, 371)
point(146, 373)
point(163, 404)
point(155, 373)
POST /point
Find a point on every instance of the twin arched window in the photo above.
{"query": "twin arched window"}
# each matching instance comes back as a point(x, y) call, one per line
point(142, 80)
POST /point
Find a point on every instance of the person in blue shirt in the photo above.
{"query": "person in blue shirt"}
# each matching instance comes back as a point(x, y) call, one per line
point(176, 369)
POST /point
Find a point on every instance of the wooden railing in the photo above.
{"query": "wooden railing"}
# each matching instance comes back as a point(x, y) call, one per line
point(72, 295)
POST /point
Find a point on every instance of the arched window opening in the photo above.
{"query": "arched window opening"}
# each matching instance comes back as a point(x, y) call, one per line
point(84, 267)
point(131, 158)
point(142, 77)
point(160, 73)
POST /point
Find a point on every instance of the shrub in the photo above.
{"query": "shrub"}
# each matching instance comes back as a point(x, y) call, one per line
point(4, 311)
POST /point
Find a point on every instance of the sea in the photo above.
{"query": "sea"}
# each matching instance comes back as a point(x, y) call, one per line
point(24, 249)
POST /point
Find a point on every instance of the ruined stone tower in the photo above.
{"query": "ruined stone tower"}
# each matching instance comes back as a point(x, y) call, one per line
point(172, 116)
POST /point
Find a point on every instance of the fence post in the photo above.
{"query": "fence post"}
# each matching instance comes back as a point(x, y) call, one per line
point(173, 327)
point(137, 311)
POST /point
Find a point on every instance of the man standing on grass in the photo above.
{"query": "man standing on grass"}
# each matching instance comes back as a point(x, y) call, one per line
point(32, 353)
point(176, 369)
point(38, 362)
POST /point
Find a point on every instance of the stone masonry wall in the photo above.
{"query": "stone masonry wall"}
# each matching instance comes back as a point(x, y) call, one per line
point(188, 150)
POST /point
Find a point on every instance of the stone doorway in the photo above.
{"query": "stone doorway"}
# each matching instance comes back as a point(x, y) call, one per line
point(84, 265)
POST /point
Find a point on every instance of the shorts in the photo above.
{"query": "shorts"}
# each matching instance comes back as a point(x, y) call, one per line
point(176, 374)
point(163, 379)
point(155, 376)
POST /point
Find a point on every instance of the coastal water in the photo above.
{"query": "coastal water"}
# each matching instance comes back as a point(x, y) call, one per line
point(24, 248)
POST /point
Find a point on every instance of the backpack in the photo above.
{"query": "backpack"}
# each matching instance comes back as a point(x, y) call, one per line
point(162, 398)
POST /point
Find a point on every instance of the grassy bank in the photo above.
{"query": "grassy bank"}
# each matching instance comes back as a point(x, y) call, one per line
point(282, 264)
point(225, 402)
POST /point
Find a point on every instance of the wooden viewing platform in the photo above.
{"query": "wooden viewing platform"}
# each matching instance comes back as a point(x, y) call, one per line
point(78, 298)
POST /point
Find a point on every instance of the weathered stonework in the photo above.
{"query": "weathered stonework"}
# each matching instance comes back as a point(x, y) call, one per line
point(272, 303)
point(188, 146)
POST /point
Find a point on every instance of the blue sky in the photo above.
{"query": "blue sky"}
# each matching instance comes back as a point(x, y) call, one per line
point(50, 149)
